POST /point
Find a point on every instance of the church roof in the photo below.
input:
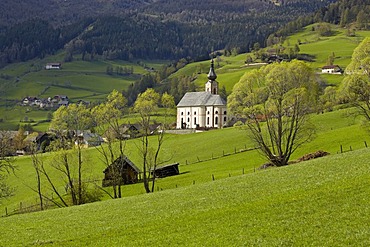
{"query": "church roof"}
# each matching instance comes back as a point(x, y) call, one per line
point(201, 99)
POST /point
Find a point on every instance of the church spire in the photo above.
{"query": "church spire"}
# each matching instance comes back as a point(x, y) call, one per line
point(212, 74)
point(212, 85)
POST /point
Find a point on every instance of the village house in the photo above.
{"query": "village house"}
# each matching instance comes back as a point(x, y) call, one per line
point(49, 66)
point(88, 139)
point(331, 69)
point(202, 109)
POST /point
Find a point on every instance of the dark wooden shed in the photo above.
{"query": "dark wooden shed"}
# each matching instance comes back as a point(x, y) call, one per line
point(121, 171)
point(166, 171)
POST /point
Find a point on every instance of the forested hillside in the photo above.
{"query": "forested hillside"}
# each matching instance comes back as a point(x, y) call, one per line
point(353, 14)
point(121, 29)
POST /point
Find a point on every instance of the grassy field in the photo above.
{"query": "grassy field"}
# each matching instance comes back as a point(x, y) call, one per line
point(323, 202)
point(79, 80)
point(216, 153)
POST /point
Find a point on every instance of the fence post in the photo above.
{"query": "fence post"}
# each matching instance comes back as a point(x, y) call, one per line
point(193, 182)
point(341, 149)
point(365, 144)
point(6, 211)
point(213, 177)
point(350, 148)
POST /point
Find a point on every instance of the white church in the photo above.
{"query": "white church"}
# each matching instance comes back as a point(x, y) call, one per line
point(202, 109)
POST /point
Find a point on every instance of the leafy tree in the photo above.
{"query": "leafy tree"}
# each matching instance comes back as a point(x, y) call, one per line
point(356, 84)
point(323, 29)
point(329, 99)
point(6, 163)
point(362, 20)
point(330, 60)
point(276, 101)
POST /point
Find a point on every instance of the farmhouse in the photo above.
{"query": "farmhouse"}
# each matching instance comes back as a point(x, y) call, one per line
point(121, 171)
point(202, 109)
point(49, 66)
point(331, 69)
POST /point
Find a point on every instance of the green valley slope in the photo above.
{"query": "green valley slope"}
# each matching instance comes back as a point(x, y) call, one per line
point(317, 203)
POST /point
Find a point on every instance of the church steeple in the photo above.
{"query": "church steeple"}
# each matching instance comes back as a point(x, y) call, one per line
point(212, 74)
point(212, 84)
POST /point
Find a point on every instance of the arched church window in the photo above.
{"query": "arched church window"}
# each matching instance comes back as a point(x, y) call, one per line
point(207, 112)
point(216, 112)
point(224, 112)
point(207, 120)
point(216, 120)
point(195, 120)
point(188, 119)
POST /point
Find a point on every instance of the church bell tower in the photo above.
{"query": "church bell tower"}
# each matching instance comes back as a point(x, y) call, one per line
point(212, 84)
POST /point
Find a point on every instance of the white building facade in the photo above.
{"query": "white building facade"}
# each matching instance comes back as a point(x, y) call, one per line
point(202, 109)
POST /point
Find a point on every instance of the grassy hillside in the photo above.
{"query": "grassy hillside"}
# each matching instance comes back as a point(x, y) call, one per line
point(79, 80)
point(323, 202)
point(200, 155)
point(230, 69)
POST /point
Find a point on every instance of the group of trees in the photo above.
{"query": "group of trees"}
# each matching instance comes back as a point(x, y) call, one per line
point(70, 159)
point(119, 70)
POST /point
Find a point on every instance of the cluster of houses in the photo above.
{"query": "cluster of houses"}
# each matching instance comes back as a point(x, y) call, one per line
point(51, 102)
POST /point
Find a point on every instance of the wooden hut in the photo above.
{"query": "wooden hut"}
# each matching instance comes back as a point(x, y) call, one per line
point(121, 171)
point(166, 171)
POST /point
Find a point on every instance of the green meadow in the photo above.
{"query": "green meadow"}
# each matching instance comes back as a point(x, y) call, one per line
point(79, 80)
point(323, 202)
point(216, 154)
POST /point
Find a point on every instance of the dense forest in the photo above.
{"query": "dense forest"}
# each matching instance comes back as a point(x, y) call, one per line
point(353, 14)
point(123, 29)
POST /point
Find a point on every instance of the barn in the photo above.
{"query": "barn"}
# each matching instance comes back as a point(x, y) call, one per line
point(166, 171)
point(121, 171)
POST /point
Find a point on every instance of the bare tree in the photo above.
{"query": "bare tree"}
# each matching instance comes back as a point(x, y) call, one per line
point(109, 114)
point(67, 123)
point(146, 105)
